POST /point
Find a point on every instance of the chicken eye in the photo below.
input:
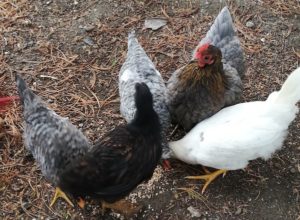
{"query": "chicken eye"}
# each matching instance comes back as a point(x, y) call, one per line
point(206, 58)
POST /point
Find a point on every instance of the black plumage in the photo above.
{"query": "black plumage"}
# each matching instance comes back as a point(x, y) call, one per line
point(124, 157)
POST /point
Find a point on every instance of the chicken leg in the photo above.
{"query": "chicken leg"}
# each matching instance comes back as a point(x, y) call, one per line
point(122, 206)
point(81, 203)
point(208, 178)
point(60, 194)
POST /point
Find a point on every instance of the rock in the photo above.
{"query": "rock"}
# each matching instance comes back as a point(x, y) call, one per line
point(277, 165)
point(155, 23)
point(238, 211)
point(27, 205)
point(293, 170)
point(16, 187)
point(88, 41)
point(87, 28)
point(250, 24)
point(194, 212)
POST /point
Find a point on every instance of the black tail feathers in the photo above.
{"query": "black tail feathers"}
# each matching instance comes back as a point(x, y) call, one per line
point(143, 97)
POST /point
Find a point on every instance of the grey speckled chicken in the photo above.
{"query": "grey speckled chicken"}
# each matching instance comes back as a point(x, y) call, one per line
point(212, 79)
point(136, 69)
point(53, 141)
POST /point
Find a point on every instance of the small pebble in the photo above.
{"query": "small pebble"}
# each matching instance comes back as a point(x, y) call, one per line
point(194, 212)
point(293, 170)
point(277, 165)
point(80, 125)
point(89, 28)
point(27, 205)
point(88, 41)
point(238, 211)
point(15, 187)
point(250, 24)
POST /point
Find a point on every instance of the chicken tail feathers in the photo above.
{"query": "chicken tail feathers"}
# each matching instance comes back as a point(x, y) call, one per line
point(131, 34)
point(26, 95)
point(143, 100)
point(222, 27)
point(290, 91)
point(221, 32)
point(132, 41)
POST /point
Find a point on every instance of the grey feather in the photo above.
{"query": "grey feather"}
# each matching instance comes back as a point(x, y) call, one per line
point(139, 68)
point(233, 94)
point(53, 141)
point(222, 35)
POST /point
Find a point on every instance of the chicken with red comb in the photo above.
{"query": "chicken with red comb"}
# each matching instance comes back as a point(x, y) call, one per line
point(212, 79)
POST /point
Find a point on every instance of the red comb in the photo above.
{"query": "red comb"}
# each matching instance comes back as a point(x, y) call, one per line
point(203, 47)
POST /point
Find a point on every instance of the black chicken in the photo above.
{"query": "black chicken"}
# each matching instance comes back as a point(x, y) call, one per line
point(123, 158)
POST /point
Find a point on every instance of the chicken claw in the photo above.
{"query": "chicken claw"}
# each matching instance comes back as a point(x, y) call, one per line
point(60, 194)
point(208, 178)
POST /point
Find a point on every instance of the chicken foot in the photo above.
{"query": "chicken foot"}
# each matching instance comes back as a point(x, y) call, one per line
point(208, 178)
point(60, 194)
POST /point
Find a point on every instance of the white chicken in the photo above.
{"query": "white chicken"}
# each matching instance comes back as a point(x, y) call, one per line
point(240, 133)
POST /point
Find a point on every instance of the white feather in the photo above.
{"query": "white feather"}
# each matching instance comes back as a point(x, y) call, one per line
point(127, 74)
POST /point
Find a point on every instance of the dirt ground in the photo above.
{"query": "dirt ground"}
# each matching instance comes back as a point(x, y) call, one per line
point(70, 53)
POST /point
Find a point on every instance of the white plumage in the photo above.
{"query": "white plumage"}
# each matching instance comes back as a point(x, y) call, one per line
point(243, 132)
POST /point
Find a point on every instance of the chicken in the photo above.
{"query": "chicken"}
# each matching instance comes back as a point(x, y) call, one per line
point(53, 141)
point(124, 157)
point(212, 79)
point(139, 68)
point(237, 134)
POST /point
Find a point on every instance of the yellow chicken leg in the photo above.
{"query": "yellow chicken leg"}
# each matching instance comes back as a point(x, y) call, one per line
point(208, 178)
point(81, 203)
point(60, 194)
point(122, 206)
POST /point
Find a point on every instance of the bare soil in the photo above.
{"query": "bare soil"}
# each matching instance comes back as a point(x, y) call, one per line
point(70, 53)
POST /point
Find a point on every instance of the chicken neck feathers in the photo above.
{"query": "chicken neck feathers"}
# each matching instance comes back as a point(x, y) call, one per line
point(202, 94)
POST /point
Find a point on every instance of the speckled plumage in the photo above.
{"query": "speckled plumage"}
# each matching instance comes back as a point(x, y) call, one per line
point(53, 141)
point(122, 159)
point(139, 68)
point(193, 102)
